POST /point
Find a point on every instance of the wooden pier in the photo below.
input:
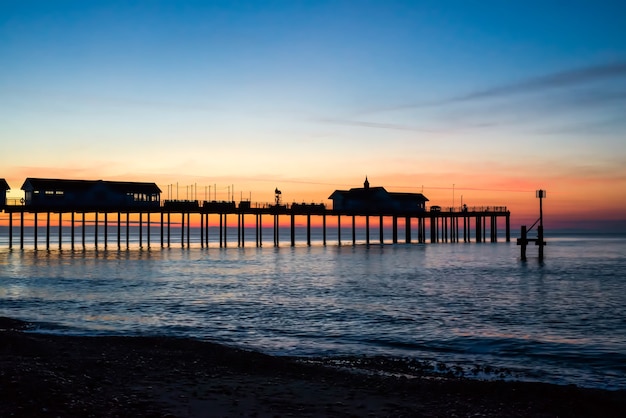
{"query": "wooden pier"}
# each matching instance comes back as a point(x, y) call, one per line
point(466, 225)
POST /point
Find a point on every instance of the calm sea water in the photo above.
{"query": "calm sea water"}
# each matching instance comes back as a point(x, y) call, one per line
point(469, 306)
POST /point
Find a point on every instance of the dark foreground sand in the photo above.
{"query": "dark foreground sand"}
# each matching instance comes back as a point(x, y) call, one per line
point(59, 376)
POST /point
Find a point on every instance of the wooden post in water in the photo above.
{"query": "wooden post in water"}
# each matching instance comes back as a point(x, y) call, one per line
point(523, 241)
point(540, 194)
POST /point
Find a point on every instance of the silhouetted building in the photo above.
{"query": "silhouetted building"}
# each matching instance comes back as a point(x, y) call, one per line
point(86, 194)
point(377, 200)
point(4, 186)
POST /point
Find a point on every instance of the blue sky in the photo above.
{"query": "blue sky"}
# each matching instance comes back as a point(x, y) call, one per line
point(488, 95)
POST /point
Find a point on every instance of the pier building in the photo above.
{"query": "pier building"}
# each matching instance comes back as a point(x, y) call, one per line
point(85, 194)
point(368, 199)
point(4, 188)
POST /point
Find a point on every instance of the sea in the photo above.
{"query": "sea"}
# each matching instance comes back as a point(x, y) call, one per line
point(474, 309)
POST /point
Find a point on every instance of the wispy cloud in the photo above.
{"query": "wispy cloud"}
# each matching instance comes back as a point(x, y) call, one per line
point(378, 125)
point(564, 79)
point(569, 78)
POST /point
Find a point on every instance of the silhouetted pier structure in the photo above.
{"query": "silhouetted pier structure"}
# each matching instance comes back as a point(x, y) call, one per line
point(467, 224)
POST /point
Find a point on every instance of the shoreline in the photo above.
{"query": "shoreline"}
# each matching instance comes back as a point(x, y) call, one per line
point(55, 375)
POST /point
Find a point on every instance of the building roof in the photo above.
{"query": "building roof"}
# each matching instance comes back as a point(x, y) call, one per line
point(4, 185)
point(370, 193)
point(82, 185)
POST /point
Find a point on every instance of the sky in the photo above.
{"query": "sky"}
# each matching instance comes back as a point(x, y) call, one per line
point(475, 102)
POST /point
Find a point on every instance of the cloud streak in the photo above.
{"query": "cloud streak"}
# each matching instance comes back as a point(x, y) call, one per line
point(563, 79)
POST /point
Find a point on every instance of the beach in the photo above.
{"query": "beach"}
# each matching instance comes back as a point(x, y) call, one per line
point(67, 376)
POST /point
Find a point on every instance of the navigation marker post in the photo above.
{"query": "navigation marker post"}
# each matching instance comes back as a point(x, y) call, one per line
point(524, 240)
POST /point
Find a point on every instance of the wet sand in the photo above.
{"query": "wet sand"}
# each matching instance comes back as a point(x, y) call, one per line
point(60, 376)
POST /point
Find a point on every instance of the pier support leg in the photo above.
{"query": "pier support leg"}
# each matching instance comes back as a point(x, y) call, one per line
point(508, 227)
point(21, 230)
point(380, 229)
point(106, 229)
point(338, 229)
point(36, 227)
point(95, 229)
point(260, 229)
point(353, 230)
point(276, 230)
point(407, 230)
point(308, 229)
point(201, 230)
point(188, 229)
point(394, 231)
point(324, 229)
point(169, 229)
point(119, 230)
point(140, 229)
point(238, 230)
point(293, 230)
point(10, 230)
point(60, 230)
point(478, 232)
point(47, 230)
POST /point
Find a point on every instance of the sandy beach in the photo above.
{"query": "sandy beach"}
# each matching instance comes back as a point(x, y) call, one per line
point(59, 376)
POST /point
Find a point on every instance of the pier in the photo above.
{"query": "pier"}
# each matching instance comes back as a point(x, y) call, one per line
point(187, 223)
